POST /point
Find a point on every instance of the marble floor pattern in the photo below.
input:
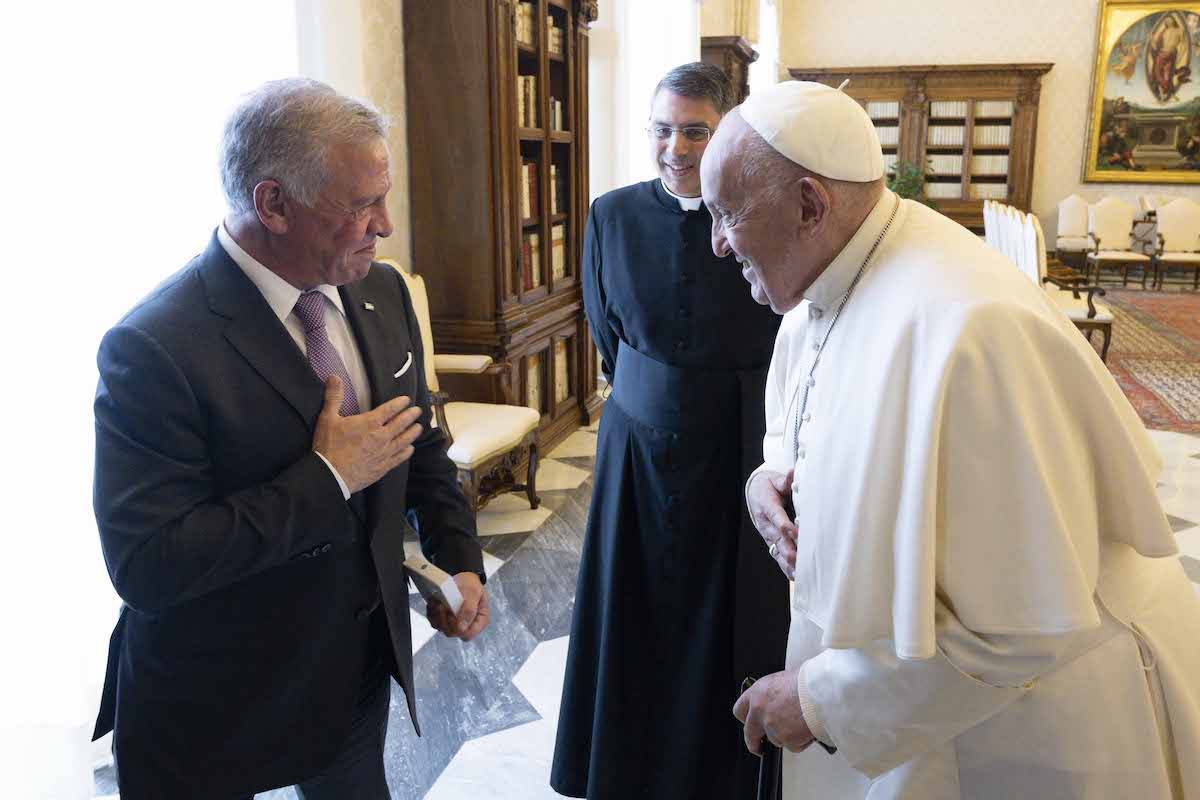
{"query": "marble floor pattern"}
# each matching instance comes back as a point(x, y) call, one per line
point(489, 708)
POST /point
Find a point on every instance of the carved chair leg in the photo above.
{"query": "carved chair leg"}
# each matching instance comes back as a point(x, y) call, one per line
point(531, 478)
point(1104, 347)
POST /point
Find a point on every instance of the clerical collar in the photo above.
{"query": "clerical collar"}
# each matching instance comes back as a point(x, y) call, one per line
point(686, 203)
point(833, 282)
point(280, 295)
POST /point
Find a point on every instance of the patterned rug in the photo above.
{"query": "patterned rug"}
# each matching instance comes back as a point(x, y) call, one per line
point(1155, 355)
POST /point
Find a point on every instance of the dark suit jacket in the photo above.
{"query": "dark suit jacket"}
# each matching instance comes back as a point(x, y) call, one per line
point(249, 582)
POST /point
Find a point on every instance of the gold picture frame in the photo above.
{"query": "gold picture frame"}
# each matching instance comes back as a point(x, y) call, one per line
point(1144, 117)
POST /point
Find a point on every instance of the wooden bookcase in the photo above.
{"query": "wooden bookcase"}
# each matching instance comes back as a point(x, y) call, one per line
point(733, 55)
point(973, 126)
point(494, 110)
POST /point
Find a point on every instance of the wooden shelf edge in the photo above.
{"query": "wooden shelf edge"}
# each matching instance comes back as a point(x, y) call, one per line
point(562, 137)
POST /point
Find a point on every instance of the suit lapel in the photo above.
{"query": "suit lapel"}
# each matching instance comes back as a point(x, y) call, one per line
point(256, 333)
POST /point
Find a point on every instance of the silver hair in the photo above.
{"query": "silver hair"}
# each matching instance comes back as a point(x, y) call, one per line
point(766, 169)
point(283, 131)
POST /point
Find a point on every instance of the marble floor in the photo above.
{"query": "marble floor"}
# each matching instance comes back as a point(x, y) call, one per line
point(489, 708)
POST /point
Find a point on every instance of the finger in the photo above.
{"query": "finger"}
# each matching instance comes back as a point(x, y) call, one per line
point(439, 616)
point(466, 613)
point(333, 395)
point(397, 425)
point(742, 706)
point(752, 733)
point(782, 483)
point(480, 623)
point(785, 556)
point(384, 413)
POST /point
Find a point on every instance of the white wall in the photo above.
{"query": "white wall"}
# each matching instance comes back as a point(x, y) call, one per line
point(633, 43)
point(820, 33)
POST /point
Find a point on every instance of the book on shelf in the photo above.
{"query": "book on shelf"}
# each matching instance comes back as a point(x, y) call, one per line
point(529, 192)
point(531, 262)
point(989, 165)
point(558, 250)
point(943, 191)
point(554, 188)
point(525, 28)
point(562, 378)
point(556, 115)
point(994, 108)
point(533, 382)
point(527, 101)
point(948, 108)
point(945, 164)
point(554, 37)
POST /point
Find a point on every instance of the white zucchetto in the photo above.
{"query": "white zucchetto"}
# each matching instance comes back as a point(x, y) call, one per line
point(820, 128)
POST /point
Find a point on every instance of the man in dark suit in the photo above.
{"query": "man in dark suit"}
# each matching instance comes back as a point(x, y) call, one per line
point(262, 441)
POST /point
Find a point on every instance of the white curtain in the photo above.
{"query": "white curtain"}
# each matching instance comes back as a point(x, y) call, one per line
point(112, 118)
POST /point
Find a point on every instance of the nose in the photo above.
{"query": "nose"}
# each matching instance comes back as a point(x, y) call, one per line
point(381, 222)
point(720, 245)
point(679, 144)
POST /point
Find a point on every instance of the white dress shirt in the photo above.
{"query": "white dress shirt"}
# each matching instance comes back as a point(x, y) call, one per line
point(281, 296)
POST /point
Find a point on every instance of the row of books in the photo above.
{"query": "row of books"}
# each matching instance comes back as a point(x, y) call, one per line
point(883, 109)
point(992, 135)
point(943, 191)
point(526, 34)
point(989, 191)
point(989, 165)
point(889, 162)
point(527, 101)
point(528, 180)
point(535, 374)
point(994, 108)
point(944, 136)
point(889, 136)
point(945, 165)
point(948, 108)
point(531, 256)
point(529, 193)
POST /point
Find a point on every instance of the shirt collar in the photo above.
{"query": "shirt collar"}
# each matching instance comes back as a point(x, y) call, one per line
point(833, 282)
point(280, 295)
point(685, 203)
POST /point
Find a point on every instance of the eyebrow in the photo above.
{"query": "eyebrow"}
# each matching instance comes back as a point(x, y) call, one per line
point(699, 124)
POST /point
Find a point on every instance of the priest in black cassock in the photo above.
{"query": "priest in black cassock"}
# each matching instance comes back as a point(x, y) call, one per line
point(677, 600)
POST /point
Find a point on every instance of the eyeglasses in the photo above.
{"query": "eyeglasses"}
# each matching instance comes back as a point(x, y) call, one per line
point(693, 133)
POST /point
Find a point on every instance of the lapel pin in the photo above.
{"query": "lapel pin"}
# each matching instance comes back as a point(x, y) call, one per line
point(369, 306)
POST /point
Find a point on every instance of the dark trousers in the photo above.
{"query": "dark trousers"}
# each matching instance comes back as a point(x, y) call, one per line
point(357, 771)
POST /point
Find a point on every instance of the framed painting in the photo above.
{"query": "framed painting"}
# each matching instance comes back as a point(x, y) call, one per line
point(1144, 121)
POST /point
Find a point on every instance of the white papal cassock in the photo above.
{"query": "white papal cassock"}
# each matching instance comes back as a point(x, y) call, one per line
point(987, 602)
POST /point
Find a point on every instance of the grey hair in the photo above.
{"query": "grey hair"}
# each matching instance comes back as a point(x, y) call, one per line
point(283, 131)
point(699, 81)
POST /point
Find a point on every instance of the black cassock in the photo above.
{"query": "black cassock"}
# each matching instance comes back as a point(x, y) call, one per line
point(678, 600)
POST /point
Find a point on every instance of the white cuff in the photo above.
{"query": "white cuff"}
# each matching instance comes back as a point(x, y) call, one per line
point(809, 709)
point(341, 483)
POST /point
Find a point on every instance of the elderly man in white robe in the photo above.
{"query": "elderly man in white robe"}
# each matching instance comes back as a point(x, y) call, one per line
point(986, 602)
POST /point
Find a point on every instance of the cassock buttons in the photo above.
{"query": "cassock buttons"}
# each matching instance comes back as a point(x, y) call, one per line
point(811, 381)
point(806, 417)
point(816, 347)
point(814, 312)
point(800, 453)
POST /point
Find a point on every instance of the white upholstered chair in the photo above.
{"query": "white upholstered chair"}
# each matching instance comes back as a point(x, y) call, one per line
point(1178, 239)
point(488, 441)
point(1076, 301)
point(1153, 202)
point(1110, 224)
point(1072, 241)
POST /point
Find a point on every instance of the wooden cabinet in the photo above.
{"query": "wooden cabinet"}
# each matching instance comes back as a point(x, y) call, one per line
point(497, 138)
point(974, 127)
point(733, 55)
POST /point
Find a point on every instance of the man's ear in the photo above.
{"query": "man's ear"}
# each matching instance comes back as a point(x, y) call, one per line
point(272, 206)
point(815, 203)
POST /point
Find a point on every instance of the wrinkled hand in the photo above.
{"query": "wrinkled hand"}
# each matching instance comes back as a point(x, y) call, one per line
point(767, 498)
point(365, 447)
point(472, 617)
point(771, 709)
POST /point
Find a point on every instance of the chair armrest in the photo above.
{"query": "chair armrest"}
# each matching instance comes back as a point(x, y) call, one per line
point(438, 398)
point(1096, 243)
point(1075, 289)
point(453, 363)
point(1158, 251)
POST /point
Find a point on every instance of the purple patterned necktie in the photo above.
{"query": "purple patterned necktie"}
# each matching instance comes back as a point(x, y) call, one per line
point(322, 356)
